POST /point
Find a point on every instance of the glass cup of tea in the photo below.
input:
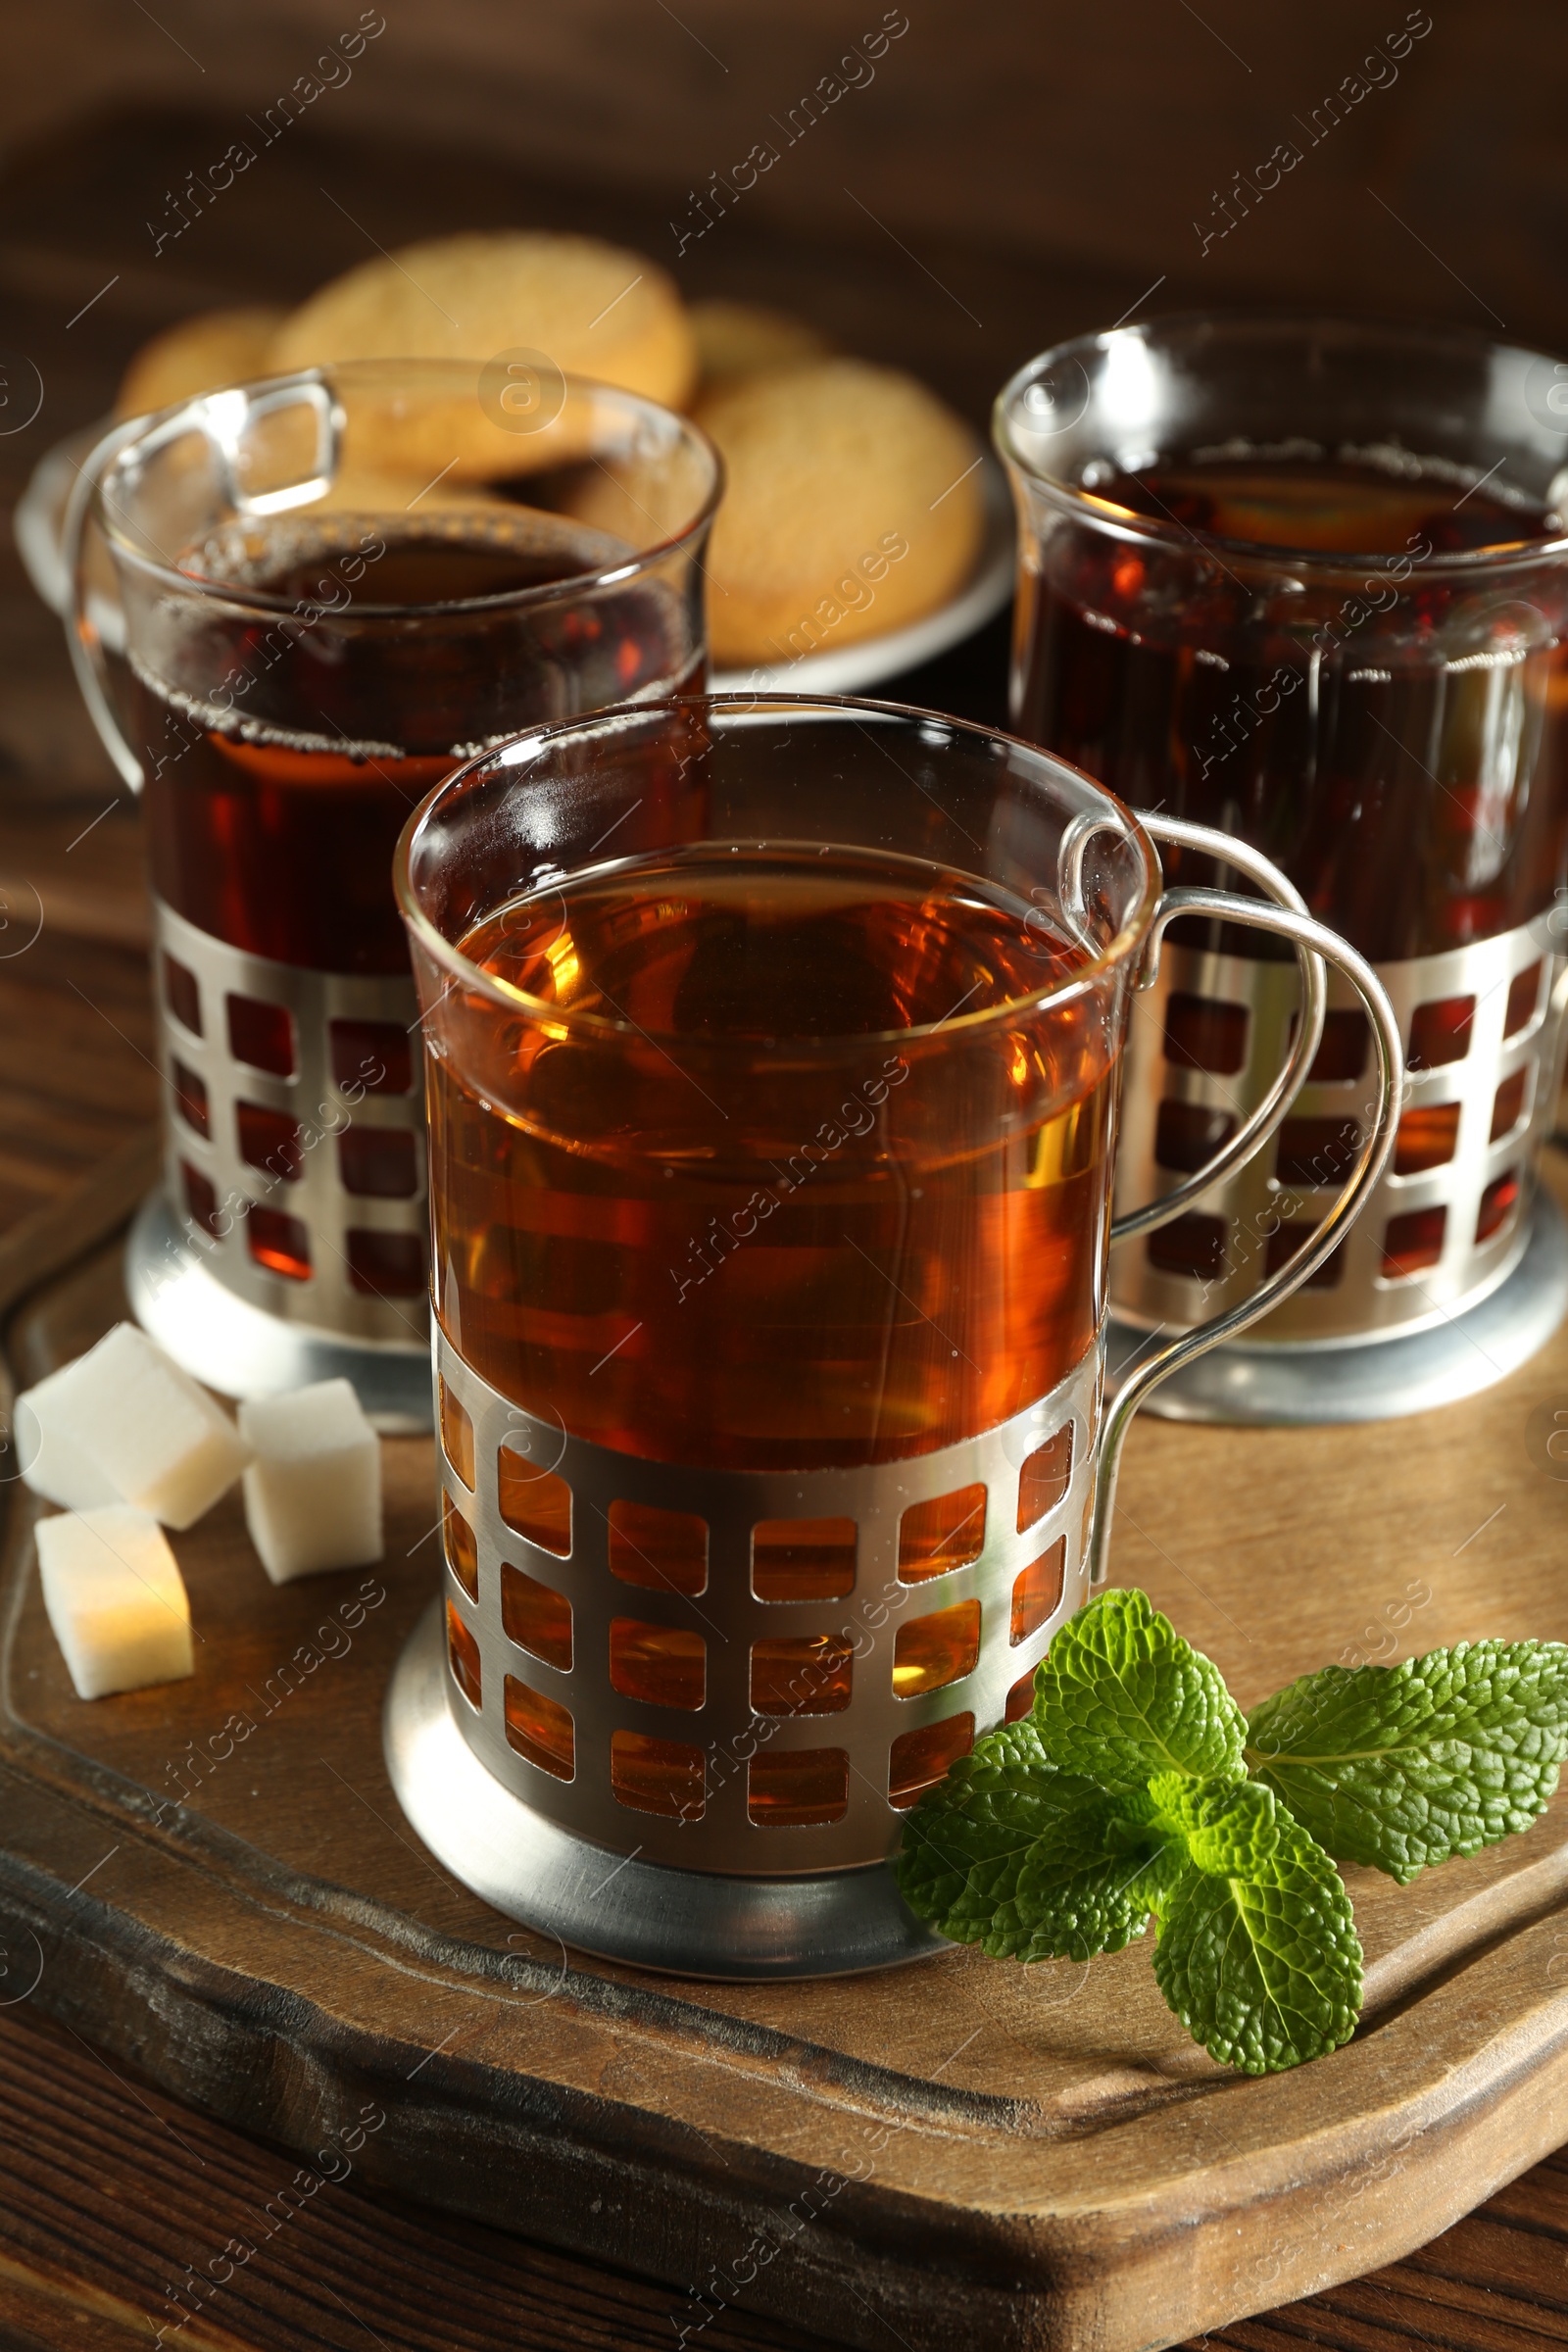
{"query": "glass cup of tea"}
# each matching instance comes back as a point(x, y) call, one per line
point(298, 605)
point(773, 1051)
point(1308, 582)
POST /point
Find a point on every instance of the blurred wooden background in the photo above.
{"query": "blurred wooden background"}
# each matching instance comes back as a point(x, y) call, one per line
point(1011, 173)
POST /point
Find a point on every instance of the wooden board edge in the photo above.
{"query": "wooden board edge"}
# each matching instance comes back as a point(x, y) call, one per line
point(536, 2160)
point(1326, 2212)
point(266, 2062)
point(598, 2180)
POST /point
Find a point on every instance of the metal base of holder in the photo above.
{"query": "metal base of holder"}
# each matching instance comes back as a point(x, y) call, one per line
point(1371, 1379)
point(240, 1350)
point(686, 1923)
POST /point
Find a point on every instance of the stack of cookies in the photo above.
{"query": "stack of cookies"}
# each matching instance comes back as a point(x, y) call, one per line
point(853, 503)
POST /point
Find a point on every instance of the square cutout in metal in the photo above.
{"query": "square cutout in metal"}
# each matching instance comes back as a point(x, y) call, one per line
point(919, 1759)
point(803, 1674)
point(1037, 1591)
point(463, 1656)
point(802, 1788)
point(540, 1730)
point(664, 1665)
point(458, 1543)
point(536, 1502)
point(457, 1434)
point(278, 1242)
point(802, 1559)
point(536, 1617)
point(262, 1035)
point(929, 1652)
point(1045, 1478)
point(949, 1532)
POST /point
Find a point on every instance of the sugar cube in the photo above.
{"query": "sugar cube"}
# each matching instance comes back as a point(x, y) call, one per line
point(116, 1599)
point(158, 1439)
point(52, 1462)
point(312, 1492)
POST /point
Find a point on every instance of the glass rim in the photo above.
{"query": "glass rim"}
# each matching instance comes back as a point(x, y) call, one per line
point(1126, 522)
point(461, 375)
point(463, 972)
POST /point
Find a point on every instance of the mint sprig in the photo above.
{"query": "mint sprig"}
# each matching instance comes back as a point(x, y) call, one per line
point(1258, 1952)
point(1135, 1789)
point(1403, 1766)
point(1120, 1695)
point(1032, 1863)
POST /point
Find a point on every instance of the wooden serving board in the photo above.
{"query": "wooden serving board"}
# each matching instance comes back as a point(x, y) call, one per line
point(214, 1880)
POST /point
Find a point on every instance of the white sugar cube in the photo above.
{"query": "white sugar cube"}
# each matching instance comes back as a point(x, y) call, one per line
point(158, 1439)
point(313, 1494)
point(52, 1463)
point(116, 1599)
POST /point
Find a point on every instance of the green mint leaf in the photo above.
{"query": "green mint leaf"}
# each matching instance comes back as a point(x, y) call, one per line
point(981, 1819)
point(1026, 1861)
point(1227, 1828)
point(1120, 1696)
point(1403, 1766)
point(1257, 1951)
point(1157, 1836)
point(1089, 1889)
point(1230, 1828)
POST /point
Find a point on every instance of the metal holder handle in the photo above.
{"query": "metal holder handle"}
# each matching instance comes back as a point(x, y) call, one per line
point(1292, 1075)
point(224, 419)
point(1315, 944)
point(82, 634)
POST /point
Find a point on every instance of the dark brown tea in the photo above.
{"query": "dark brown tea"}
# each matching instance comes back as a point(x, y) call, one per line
point(1392, 729)
point(284, 750)
point(748, 1178)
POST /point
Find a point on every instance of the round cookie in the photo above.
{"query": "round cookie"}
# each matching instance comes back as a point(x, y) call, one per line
point(852, 508)
point(746, 338)
point(591, 309)
point(203, 354)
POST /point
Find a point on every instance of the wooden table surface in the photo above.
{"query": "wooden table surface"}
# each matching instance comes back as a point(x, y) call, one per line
point(108, 2187)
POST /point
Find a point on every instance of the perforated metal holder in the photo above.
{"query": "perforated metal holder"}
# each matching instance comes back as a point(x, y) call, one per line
point(1457, 1270)
point(804, 1727)
point(681, 1922)
point(287, 1242)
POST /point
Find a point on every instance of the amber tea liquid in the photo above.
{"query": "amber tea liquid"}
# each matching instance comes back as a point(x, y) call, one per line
point(284, 750)
point(704, 1196)
point(1395, 738)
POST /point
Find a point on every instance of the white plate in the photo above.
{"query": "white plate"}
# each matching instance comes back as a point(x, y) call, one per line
point(41, 511)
